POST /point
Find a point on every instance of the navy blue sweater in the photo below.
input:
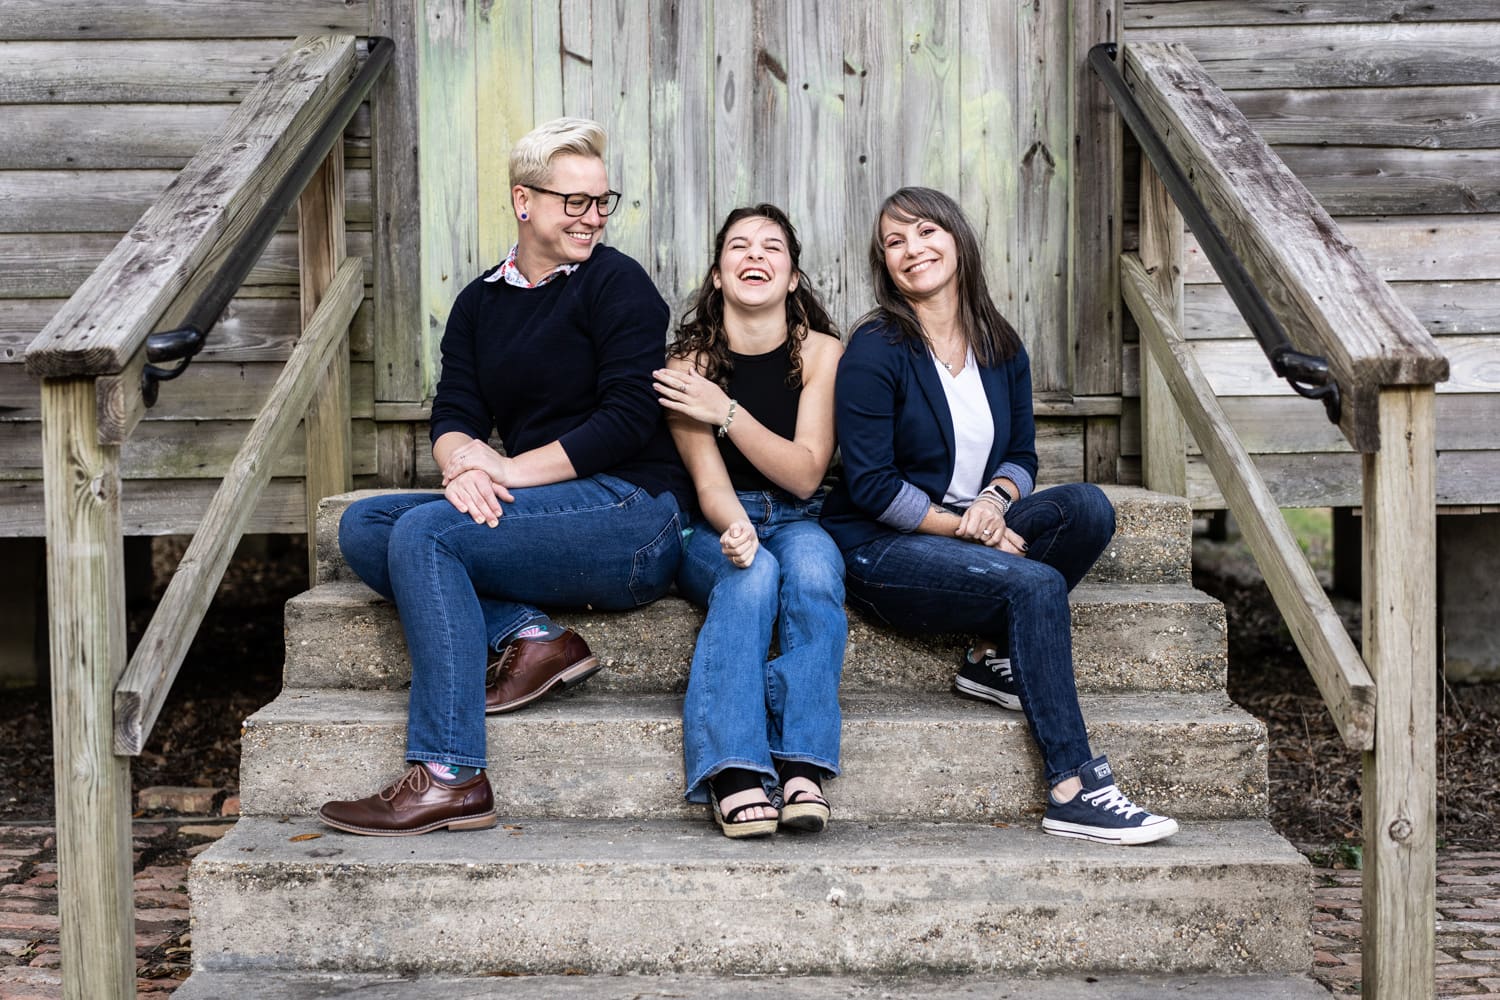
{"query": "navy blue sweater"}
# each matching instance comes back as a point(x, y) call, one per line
point(571, 362)
point(896, 434)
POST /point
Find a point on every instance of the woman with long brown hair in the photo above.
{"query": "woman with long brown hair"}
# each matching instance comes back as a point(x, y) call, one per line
point(749, 393)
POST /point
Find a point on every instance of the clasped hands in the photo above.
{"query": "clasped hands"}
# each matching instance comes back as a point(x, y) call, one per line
point(984, 522)
point(474, 479)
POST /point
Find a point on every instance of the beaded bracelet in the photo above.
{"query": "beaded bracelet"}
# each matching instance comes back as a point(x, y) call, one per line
point(728, 418)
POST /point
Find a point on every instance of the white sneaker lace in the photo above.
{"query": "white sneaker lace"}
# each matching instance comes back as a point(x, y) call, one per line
point(998, 664)
point(1111, 799)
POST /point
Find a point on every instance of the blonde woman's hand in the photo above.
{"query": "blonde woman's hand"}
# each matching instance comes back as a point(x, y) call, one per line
point(475, 494)
point(477, 455)
point(739, 543)
point(984, 523)
point(692, 395)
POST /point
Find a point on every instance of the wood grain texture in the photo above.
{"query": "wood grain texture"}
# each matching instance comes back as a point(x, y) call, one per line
point(1097, 209)
point(1464, 478)
point(1147, 14)
point(681, 162)
point(1334, 663)
point(815, 110)
point(400, 348)
point(989, 184)
point(1406, 248)
point(109, 317)
point(576, 28)
point(86, 628)
point(322, 251)
point(622, 100)
point(148, 678)
point(448, 167)
point(1443, 307)
point(1412, 117)
point(505, 81)
point(1342, 55)
point(1399, 603)
point(1316, 282)
point(114, 19)
point(874, 85)
point(1365, 181)
point(1042, 226)
point(138, 72)
point(1164, 433)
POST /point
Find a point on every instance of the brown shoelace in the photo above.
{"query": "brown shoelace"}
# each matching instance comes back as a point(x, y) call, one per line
point(417, 778)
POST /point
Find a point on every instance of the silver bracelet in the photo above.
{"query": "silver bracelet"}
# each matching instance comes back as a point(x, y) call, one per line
point(728, 418)
point(999, 496)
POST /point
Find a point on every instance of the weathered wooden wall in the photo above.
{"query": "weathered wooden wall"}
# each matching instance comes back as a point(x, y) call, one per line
point(100, 104)
point(1390, 114)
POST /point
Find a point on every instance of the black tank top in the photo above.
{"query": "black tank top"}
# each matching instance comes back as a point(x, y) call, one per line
point(758, 384)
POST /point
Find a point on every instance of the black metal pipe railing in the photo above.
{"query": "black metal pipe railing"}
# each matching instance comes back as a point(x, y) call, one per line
point(1306, 373)
point(183, 343)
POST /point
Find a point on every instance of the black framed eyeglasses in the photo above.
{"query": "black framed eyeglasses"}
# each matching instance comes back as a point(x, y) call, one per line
point(577, 204)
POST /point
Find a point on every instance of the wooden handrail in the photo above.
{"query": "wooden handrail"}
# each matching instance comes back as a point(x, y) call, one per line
point(103, 327)
point(1330, 655)
point(1317, 283)
point(147, 680)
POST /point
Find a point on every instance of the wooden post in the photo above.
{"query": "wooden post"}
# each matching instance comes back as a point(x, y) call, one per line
point(321, 249)
point(86, 607)
point(1400, 648)
point(1163, 433)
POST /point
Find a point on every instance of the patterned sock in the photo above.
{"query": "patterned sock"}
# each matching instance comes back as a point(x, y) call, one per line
point(451, 774)
point(542, 629)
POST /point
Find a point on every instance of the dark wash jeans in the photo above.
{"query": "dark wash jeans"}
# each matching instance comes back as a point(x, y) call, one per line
point(460, 587)
point(928, 584)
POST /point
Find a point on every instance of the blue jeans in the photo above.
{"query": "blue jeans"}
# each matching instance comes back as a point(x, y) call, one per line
point(461, 587)
point(743, 710)
point(929, 584)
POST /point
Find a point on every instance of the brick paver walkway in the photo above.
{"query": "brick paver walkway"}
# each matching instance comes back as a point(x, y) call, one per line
point(1468, 931)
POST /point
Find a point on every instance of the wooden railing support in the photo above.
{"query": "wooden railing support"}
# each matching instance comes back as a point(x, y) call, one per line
point(1163, 433)
point(86, 592)
point(1400, 647)
point(321, 247)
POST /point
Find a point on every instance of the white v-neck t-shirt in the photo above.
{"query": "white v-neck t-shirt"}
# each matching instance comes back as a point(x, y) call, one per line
point(973, 429)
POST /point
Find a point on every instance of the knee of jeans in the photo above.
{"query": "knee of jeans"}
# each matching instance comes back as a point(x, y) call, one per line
point(819, 576)
point(1096, 515)
point(364, 536)
point(423, 526)
point(1046, 587)
point(757, 582)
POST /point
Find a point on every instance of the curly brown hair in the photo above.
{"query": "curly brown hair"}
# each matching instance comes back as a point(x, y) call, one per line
point(700, 333)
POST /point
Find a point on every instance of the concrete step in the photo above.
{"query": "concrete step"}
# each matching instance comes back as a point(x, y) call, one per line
point(1116, 986)
point(1126, 637)
point(1152, 543)
point(662, 896)
point(905, 755)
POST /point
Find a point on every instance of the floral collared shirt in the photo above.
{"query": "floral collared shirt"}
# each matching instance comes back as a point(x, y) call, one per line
point(509, 273)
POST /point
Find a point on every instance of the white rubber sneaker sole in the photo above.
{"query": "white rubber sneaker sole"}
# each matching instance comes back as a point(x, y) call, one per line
point(1163, 828)
point(967, 687)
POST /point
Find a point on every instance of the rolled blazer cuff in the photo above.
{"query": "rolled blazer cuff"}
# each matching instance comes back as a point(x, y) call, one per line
point(906, 511)
point(1017, 475)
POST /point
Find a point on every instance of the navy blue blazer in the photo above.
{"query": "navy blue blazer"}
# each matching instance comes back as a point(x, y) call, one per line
point(895, 433)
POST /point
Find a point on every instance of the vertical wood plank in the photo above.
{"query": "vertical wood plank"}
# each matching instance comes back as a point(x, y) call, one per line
point(396, 449)
point(1097, 207)
point(733, 112)
point(504, 78)
point(449, 170)
point(771, 153)
point(1163, 431)
point(577, 52)
point(681, 191)
point(875, 66)
point(1101, 449)
point(815, 110)
point(928, 108)
point(321, 249)
point(987, 154)
point(86, 606)
point(622, 104)
point(546, 60)
point(1044, 139)
point(1400, 648)
point(396, 318)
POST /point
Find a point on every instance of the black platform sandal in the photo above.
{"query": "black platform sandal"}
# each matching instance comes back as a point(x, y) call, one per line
point(802, 810)
point(729, 782)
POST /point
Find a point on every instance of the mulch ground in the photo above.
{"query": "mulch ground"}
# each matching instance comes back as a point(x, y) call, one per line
point(235, 667)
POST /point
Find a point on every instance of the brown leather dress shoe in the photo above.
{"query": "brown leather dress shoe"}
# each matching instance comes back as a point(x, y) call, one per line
point(528, 668)
point(415, 803)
